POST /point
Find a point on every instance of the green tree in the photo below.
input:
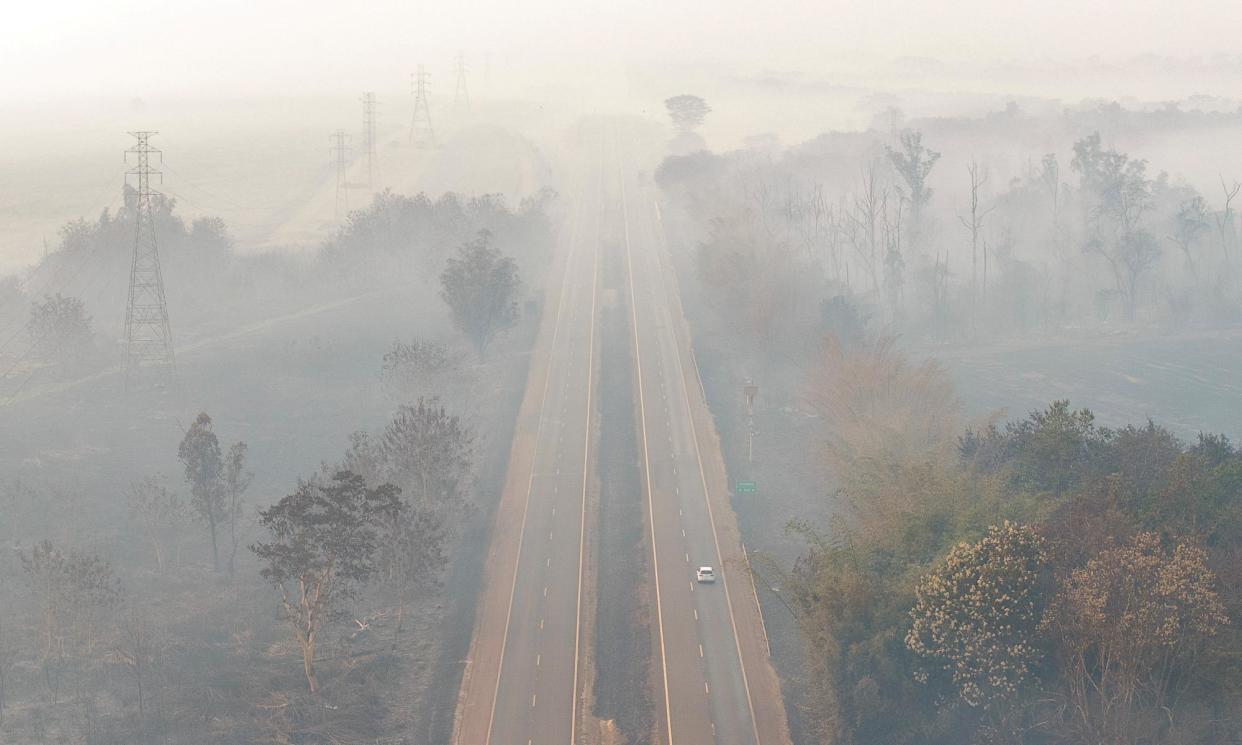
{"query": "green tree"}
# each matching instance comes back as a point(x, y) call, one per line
point(160, 512)
point(1189, 223)
point(851, 609)
point(687, 111)
point(204, 467)
point(1129, 626)
point(59, 324)
point(235, 481)
point(1054, 450)
point(480, 287)
point(1137, 252)
point(420, 367)
point(976, 616)
point(323, 551)
point(1119, 193)
point(72, 589)
point(914, 162)
point(428, 454)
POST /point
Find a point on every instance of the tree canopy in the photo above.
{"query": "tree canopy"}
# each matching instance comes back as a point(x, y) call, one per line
point(1057, 581)
point(199, 452)
point(322, 551)
point(687, 111)
point(59, 324)
point(480, 287)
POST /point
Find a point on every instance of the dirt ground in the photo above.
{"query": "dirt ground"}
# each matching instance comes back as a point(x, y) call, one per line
point(1185, 380)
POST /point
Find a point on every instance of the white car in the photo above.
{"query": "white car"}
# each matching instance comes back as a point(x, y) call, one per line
point(705, 574)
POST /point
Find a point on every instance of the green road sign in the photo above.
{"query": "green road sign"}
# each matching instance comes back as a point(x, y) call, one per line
point(747, 487)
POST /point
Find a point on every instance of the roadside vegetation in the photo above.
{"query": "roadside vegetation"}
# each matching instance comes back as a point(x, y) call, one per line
point(396, 241)
point(1044, 580)
point(956, 577)
point(180, 597)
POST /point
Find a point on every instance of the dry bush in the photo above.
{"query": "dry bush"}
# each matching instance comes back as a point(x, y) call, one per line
point(877, 405)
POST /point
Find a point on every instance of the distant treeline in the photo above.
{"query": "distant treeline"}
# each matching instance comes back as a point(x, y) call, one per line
point(211, 282)
point(1087, 236)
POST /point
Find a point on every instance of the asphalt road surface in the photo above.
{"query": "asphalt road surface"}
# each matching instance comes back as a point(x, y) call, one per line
point(525, 680)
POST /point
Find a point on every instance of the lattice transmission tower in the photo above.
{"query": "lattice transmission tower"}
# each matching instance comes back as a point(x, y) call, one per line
point(148, 334)
point(368, 134)
point(340, 149)
point(421, 132)
point(461, 96)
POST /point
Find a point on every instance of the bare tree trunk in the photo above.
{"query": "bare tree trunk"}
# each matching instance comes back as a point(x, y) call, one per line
point(396, 632)
point(308, 661)
point(985, 272)
point(215, 549)
point(135, 649)
point(232, 533)
point(974, 225)
point(1225, 222)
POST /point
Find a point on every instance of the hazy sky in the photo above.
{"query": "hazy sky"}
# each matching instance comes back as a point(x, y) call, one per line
point(68, 48)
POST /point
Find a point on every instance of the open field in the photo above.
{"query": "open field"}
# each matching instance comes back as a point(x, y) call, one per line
point(1185, 381)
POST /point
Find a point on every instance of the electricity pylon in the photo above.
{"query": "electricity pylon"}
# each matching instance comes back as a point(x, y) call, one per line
point(461, 97)
point(421, 132)
point(340, 148)
point(148, 334)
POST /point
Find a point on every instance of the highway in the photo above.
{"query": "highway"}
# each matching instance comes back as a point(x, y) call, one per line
point(526, 679)
point(524, 668)
point(708, 698)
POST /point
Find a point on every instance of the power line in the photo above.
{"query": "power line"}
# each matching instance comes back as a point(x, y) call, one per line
point(148, 334)
point(461, 96)
point(421, 132)
point(221, 201)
